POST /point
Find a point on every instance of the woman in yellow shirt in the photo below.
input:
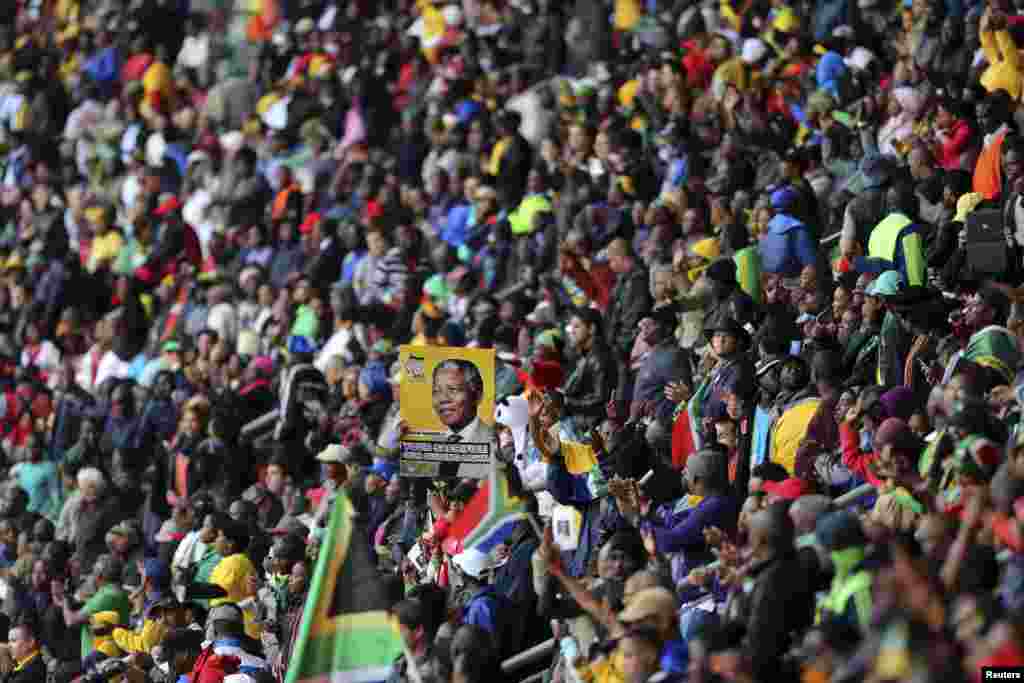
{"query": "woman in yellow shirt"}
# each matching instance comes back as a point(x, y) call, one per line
point(1003, 72)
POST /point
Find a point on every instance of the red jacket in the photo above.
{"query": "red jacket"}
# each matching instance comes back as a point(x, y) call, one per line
point(212, 668)
point(855, 460)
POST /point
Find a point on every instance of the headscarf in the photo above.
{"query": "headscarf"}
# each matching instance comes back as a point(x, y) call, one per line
point(899, 402)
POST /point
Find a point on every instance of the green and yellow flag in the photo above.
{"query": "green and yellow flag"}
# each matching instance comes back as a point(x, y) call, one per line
point(346, 635)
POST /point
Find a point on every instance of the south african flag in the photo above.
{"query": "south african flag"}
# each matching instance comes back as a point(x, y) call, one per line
point(346, 634)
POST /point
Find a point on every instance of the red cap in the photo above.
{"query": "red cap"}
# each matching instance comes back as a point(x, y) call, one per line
point(307, 225)
point(544, 375)
point(172, 204)
point(787, 489)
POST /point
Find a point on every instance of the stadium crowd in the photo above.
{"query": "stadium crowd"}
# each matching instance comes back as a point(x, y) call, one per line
point(752, 270)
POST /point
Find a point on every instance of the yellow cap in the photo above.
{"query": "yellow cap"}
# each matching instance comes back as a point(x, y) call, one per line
point(14, 261)
point(965, 205)
point(706, 248)
point(266, 102)
point(786, 21)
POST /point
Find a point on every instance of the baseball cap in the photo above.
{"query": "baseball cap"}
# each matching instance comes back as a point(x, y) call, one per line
point(649, 602)
point(229, 611)
point(472, 562)
point(171, 346)
point(888, 283)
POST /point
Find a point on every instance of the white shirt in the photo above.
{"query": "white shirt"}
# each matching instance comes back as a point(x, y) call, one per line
point(110, 366)
point(189, 552)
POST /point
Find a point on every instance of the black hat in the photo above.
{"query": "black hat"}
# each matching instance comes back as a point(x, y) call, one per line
point(728, 325)
point(721, 270)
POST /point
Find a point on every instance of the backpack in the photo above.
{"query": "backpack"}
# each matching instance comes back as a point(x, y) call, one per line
point(986, 251)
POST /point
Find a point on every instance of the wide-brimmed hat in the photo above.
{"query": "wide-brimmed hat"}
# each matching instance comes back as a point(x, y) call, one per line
point(728, 325)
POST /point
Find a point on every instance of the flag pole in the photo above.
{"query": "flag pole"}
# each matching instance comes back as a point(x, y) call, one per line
point(410, 661)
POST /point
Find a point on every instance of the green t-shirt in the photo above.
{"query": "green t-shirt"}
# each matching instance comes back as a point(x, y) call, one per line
point(108, 598)
point(204, 568)
point(306, 324)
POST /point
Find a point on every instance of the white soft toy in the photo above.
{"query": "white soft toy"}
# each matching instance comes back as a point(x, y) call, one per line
point(514, 413)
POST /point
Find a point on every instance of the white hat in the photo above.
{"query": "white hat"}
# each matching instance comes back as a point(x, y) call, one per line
point(197, 157)
point(452, 15)
point(472, 562)
point(753, 51)
point(276, 117)
point(232, 141)
point(156, 147)
point(304, 26)
point(333, 453)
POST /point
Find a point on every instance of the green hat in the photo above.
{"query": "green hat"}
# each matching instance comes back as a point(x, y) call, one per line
point(170, 346)
point(548, 338)
point(979, 458)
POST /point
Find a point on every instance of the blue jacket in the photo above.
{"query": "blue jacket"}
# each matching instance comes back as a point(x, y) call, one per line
point(787, 247)
point(456, 230)
point(681, 529)
point(483, 610)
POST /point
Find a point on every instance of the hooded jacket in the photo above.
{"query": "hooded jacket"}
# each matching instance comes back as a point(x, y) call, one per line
point(786, 248)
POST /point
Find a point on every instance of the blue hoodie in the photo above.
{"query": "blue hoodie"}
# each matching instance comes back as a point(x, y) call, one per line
point(787, 247)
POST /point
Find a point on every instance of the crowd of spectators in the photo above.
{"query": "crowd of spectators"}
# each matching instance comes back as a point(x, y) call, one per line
point(760, 261)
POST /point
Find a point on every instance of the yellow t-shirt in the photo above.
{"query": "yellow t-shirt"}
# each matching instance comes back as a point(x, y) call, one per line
point(105, 249)
point(140, 641)
point(627, 14)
